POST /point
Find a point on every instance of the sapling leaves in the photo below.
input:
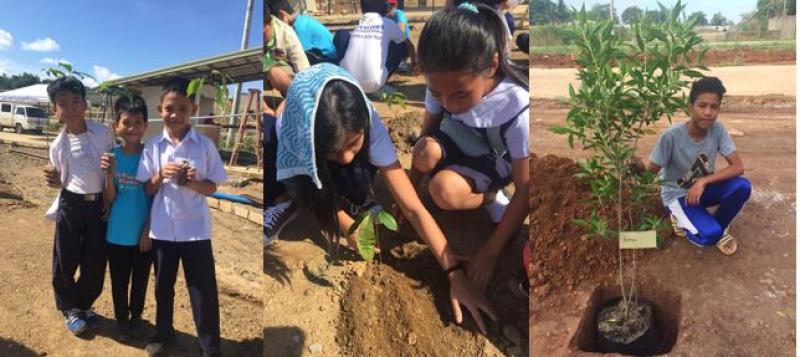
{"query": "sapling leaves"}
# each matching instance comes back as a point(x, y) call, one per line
point(366, 229)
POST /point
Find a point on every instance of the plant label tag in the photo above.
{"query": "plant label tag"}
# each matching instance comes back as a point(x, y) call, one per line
point(637, 240)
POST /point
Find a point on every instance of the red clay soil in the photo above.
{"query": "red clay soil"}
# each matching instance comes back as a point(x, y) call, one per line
point(717, 57)
point(562, 255)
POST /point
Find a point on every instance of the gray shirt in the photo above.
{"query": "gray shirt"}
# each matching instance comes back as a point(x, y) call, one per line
point(682, 160)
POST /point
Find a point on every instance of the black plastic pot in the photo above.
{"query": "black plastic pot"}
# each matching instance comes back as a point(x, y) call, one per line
point(645, 345)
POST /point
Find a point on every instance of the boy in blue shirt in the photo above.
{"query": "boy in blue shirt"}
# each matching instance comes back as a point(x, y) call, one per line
point(316, 39)
point(128, 242)
point(399, 16)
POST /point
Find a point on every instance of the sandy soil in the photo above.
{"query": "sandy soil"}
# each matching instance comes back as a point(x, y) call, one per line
point(731, 306)
point(739, 80)
point(27, 295)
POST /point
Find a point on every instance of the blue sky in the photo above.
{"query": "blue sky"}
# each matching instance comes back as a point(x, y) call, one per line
point(121, 37)
point(731, 9)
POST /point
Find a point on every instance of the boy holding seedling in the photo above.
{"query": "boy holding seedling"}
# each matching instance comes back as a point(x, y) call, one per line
point(181, 167)
point(78, 210)
point(685, 155)
point(128, 241)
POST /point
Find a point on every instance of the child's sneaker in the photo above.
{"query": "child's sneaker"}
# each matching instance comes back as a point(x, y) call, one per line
point(497, 207)
point(277, 217)
point(74, 322)
point(92, 320)
point(156, 345)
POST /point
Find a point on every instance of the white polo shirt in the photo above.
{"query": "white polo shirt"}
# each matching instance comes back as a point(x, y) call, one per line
point(368, 49)
point(180, 214)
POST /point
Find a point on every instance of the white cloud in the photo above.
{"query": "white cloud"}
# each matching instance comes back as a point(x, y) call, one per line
point(89, 83)
point(103, 74)
point(5, 39)
point(4, 64)
point(41, 45)
point(54, 61)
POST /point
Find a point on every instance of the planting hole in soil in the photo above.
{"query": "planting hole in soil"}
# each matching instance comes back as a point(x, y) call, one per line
point(651, 329)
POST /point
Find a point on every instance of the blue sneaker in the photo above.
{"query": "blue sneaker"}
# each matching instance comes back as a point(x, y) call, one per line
point(74, 322)
point(92, 320)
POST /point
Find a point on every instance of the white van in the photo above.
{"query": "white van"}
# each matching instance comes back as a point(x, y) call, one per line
point(22, 118)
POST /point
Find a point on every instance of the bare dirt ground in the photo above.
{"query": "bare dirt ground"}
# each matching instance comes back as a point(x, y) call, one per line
point(397, 308)
point(33, 326)
point(730, 306)
point(755, 80)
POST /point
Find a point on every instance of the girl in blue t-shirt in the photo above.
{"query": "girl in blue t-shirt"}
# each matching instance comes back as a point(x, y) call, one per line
point(475, 130)
point(129, 254)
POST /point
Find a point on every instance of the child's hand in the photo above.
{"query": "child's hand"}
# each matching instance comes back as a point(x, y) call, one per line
point(462, 292)
point(171, 170)
point(109, 164)
point(480, 267)
point(191, 174)
point(694, 194)
point(106, 210)
point(52, 176)
point(145, 243)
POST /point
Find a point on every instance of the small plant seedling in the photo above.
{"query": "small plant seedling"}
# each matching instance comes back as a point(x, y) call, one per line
point(64, 69)
point(366, 226)
point(219, 81)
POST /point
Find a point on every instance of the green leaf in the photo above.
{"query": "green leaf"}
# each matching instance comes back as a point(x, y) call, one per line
point(561, 130)
point(354, 226)
point(366, 240)
point(387, 221)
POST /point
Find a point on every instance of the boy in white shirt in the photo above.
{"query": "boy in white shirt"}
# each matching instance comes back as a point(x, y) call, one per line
point(181, 167)
point(75, 157)
point(374, 50)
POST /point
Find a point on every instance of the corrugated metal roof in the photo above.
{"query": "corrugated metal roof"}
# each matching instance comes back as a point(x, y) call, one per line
point(242, 66)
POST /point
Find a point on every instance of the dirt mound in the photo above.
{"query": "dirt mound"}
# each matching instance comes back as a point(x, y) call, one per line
point(563, 256)
point(404, 130)
point(384, 314)
point(716, 57)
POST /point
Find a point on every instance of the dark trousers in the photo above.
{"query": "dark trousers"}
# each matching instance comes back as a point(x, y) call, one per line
point(197, 259)
point(397, 51)
point(272, 188)
point(80, 241)
point(127, 266)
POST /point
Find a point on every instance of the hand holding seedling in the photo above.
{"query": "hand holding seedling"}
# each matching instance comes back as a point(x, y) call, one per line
point(462, 292)
point(171, 170)
point(109, 164)
point(695, 192)
point(52, 176)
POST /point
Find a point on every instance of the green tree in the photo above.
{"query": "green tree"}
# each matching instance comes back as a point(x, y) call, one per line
point(18, 81)
point(543, 12)
point(701, 18)
point(631, 15)
point(600, 12)
point(656, 16)
point(614, 107)
point(562, 12)
point(718, 20)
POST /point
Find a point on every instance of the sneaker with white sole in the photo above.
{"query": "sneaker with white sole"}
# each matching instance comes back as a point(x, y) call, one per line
point(91, 318)
point(277, 217)
point(75, 323)
point(497, 207)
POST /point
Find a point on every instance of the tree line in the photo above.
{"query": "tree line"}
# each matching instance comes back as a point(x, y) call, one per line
point(550, 12)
